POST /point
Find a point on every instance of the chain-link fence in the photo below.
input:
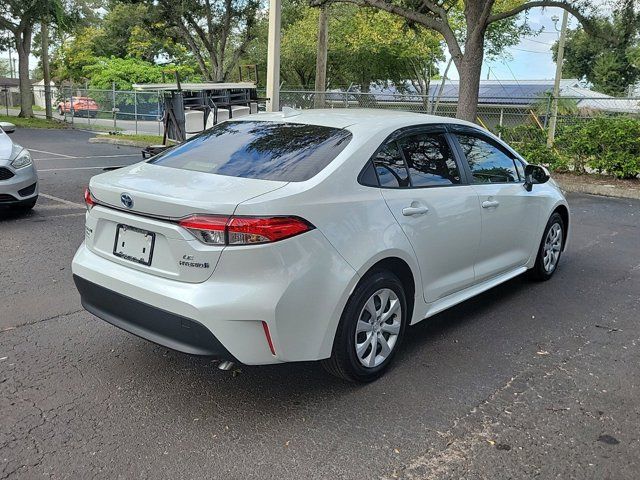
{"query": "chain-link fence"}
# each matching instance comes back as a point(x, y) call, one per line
point(494, 114)
point(113, 110)
point(129, 111)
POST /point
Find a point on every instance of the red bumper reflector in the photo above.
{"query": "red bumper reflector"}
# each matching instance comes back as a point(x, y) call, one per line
point(268, 335)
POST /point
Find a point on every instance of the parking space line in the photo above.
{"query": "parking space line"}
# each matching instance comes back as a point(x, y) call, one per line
point(91, 156)
point(50, 153)
point(40, 170)
point(64, 215)
point(61, 206)
point(62, 200)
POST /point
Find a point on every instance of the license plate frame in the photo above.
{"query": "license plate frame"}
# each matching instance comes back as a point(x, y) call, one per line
point(129, 256)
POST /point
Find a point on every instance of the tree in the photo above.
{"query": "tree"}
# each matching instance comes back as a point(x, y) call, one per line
point(609, 61)
point(217, 32)
point(124, 72)
point(465, 26)
point(73, 54)
point(374, 46)
point(365, 46)
point(5, 69)
point(19, 18)
point(126, 31)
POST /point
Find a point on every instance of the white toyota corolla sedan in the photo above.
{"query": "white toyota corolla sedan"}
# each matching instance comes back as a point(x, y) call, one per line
point(313, 235)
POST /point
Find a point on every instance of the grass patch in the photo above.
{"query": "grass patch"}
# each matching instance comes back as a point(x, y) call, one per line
point(33, 122)
point(97, 128)
point(148, 139)
point(131, 140)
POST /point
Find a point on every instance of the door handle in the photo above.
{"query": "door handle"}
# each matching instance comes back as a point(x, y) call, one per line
point(490, 204)
point(409, 211)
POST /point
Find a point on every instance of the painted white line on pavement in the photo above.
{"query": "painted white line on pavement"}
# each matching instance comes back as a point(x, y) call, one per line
point(49, 153)
point(92, 156)
point(62, 200)
point(61, 206)
point(40, 170)
point(65, 215)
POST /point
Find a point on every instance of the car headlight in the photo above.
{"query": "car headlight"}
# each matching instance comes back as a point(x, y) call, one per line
point(21, 157)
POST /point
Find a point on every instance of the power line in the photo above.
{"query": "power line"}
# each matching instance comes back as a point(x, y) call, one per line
point(537, 41)
point(514, 77)
point(529, 51)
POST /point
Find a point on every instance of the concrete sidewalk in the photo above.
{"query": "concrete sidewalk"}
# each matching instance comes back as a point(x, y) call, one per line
point(598, 185)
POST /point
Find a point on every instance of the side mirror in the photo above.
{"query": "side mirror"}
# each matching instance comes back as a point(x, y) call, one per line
point(535, 174)
point(7, 127)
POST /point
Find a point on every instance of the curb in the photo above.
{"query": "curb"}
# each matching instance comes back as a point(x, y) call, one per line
point(125, 142)
point(602, 190)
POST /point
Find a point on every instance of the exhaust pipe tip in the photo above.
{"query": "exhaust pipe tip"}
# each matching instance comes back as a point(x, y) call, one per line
point(225, 365)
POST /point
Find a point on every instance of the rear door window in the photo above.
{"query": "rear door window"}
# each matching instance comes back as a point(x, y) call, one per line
point(265, 150)
point(390, 166)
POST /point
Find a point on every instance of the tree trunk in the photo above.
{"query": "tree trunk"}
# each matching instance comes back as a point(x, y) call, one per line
point(44, 33)
point(218, 70)
point(23, 46)
point(469, 69)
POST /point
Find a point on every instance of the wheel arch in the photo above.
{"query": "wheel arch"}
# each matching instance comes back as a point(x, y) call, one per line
point(563, 211)
point(401, 269)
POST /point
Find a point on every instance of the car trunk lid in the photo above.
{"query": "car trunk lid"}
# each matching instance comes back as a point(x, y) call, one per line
point(167, 192)
point(147, 237)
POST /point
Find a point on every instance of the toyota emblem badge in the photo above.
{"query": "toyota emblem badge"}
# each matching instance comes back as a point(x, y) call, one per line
point(126, 200)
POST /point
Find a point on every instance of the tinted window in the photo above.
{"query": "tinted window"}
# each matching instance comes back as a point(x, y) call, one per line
point(289, 152)
point(368, 176)
point(488, 163)
point(390, 166)
point(519, 168)
point(429, 160)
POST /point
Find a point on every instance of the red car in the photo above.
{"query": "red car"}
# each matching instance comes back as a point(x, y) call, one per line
point(80, 106)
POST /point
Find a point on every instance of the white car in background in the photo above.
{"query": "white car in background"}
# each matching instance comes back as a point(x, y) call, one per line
point(18, 175)
point(313, 235)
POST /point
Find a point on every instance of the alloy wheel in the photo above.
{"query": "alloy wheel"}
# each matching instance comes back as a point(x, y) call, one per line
point(378, 328)
point(552, 248)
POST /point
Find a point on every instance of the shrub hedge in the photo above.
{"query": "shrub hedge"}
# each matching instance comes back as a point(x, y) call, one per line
point(608, 145)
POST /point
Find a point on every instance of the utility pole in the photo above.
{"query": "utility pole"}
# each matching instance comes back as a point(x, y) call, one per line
point(273, 56)
point(321, 57)
point(10, 62)
point(44, 33)
point(444, 79)
point(551, 135)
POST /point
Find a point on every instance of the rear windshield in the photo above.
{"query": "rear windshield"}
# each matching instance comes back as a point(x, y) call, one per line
point(289, 152)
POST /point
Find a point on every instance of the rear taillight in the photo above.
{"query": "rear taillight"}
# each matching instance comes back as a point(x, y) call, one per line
point(89, 200)
point(208, 229)
point(218, 230)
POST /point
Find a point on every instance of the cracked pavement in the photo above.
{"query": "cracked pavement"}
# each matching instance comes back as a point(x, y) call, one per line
point(527, 380)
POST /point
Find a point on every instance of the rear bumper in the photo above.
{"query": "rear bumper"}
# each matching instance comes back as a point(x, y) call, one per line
point(298, 287)
point(148, 322)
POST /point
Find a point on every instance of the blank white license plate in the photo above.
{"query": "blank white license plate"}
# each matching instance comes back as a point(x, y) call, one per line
point(134, 244)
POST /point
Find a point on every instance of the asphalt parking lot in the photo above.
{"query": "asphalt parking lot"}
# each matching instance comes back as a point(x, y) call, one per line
point(527, 380)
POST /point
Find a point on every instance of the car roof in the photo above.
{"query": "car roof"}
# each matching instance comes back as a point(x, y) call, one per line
point(369, 118)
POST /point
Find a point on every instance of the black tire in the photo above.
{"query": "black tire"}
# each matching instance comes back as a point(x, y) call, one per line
point(60, 111)
point(344, 362)
point(539, 272)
